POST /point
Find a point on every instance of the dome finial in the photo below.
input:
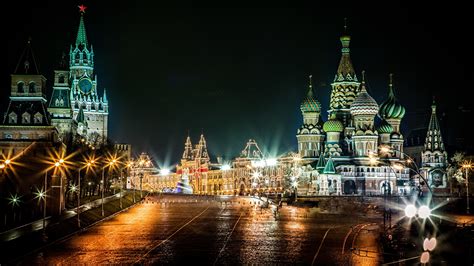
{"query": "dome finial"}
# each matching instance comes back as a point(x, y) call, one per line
point(345, 25)
point(310, 90)
point(391, 94)
point(362, 85)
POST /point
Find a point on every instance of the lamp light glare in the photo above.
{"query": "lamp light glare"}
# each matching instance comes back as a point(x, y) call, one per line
point(410, 211)
point(424, 212)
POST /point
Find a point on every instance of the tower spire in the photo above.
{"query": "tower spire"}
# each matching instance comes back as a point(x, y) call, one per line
point(81, 38)
point(25, 59)
point(188, 149)
point(105, 96)
point(434, 141)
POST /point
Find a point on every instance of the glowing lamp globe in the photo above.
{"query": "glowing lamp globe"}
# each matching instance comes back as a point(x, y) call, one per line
point(425, 257)
point(410, 211)
point(424, 212)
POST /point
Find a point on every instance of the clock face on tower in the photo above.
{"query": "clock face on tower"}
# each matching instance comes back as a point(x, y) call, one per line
point(85, 85)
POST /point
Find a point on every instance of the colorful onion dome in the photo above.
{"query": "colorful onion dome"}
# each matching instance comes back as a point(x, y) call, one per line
point(391, 108)
point(364, 104)
point(310, 104)
point(385, 127)
point(333, 125)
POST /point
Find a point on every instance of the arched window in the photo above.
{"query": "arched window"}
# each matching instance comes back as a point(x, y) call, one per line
point(61, 79)
point(25, 118)
point(31, 87)
point(20, 87)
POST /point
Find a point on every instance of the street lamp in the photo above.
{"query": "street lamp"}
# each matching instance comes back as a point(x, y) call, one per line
point(88, 165)
point(467, 166)
point(423, 211)
point(111, 163)
point(43, 194)
point(128, 165)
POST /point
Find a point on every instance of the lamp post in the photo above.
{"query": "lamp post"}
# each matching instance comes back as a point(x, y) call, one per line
point(43, 194)
point(109, 164)
point(467, 166)
point(88, 165)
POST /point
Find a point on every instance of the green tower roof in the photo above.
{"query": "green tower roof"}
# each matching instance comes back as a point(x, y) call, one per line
point(81, 38)
point(329, 168)
point(320, 165)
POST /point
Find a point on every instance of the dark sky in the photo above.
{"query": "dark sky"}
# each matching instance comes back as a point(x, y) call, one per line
point(241, 72)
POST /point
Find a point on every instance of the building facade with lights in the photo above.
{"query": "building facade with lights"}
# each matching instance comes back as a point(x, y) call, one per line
point(76, 106)
point(367, 154)
point(358, 150)
point(29, 142)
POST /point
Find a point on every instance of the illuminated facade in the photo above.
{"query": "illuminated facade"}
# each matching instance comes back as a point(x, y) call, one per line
point(434, 158)
point(358, 150)
point(75, 105)
point(366, 158)
point(28, 138)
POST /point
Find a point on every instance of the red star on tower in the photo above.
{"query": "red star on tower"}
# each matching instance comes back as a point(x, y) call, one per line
point(82, 8)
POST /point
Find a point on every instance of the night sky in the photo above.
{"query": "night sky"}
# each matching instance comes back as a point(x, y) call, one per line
point(236, 73)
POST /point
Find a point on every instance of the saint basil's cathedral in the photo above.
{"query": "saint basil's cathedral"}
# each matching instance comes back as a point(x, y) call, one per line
point(358, 150)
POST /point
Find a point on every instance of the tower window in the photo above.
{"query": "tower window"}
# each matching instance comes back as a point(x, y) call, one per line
point(32, 88)
point(38, 118)
point(61, 79)
point(20, 87)
point(25, 118)
point(12, 118)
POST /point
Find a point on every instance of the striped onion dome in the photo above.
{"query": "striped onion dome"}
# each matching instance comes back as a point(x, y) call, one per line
point(364, 104)
point(391, 108)
point(310, 104)
point(385, 127)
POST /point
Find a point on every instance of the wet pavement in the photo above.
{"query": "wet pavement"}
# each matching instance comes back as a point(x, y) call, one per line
point(179, 229)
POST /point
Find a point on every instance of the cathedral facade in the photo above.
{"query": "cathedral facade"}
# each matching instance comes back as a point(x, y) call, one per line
point(360, 142)
point(356, 150)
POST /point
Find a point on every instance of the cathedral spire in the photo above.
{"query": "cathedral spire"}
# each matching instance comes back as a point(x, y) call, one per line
point(310, 89)
point(434, 141)
point(345, 85)
point(188, 149)
point(81, 38)
point(105, 96)
point(345, 71)
point(202, 154)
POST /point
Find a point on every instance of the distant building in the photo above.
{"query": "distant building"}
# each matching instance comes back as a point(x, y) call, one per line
point(434, 157)
point(28, 138)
